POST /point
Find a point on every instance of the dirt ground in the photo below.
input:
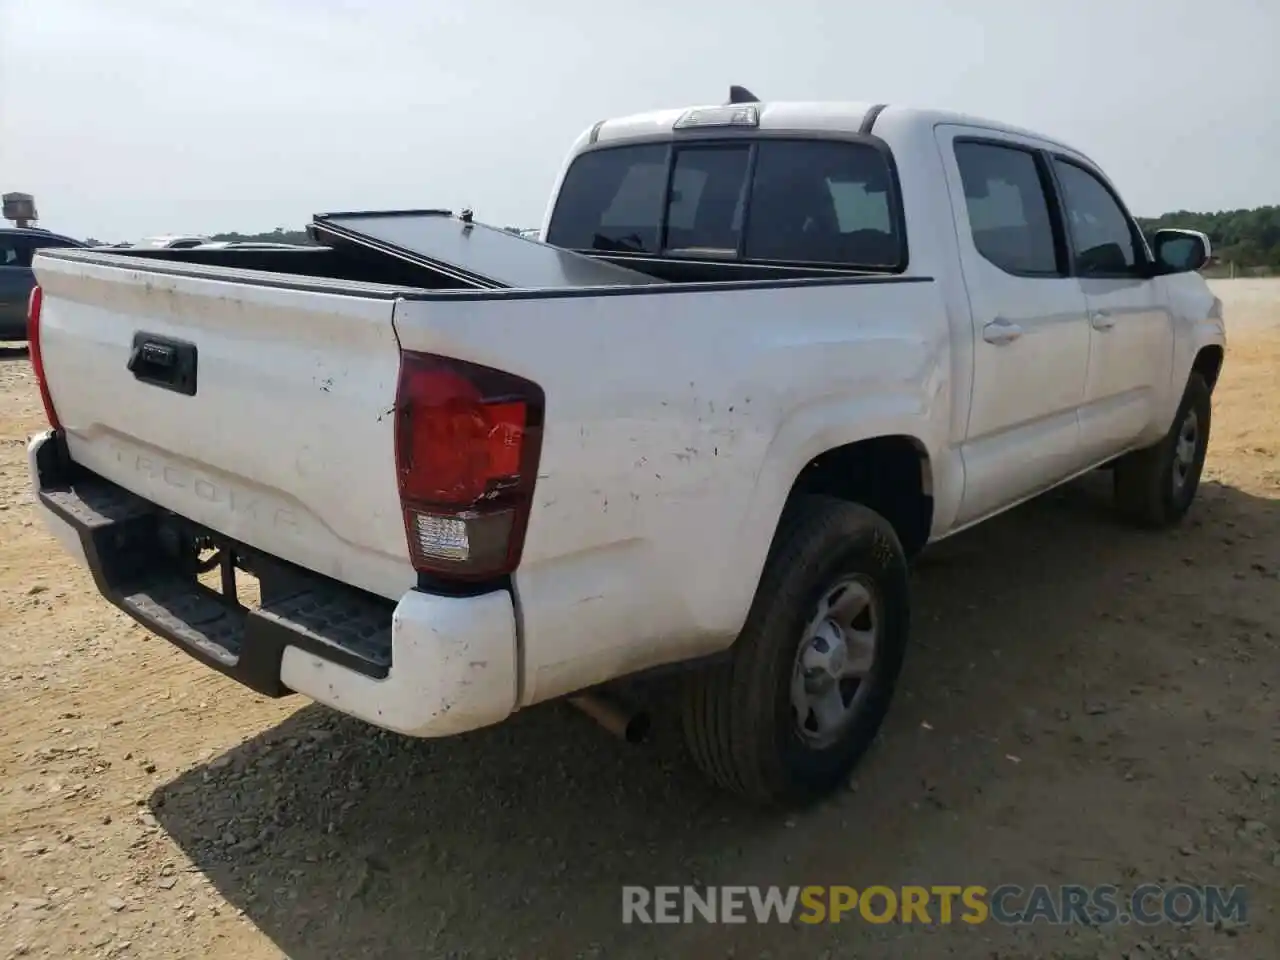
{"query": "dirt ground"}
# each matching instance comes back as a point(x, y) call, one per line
point(1083, 704)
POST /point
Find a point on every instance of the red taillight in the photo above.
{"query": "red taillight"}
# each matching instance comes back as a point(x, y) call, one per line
point(467, 444)
point(37, 361)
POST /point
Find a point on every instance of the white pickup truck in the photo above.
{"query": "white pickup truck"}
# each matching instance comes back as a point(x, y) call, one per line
point(760, 356)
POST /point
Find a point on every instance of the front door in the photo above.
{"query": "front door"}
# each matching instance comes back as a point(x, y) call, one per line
point(1131, 327)
point(1031, 335)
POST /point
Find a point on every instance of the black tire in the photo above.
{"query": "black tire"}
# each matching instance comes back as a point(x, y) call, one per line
point(738, 718)
point(1154, 487)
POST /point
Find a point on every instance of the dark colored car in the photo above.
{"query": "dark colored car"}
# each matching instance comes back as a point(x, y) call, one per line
point(17, 246)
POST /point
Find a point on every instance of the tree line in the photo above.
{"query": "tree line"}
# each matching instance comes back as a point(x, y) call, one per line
point(278, 235)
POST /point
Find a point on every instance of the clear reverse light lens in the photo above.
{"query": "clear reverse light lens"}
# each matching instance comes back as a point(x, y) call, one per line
point(442, 538)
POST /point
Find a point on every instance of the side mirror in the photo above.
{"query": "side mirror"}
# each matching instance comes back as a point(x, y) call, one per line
point(1180, 251)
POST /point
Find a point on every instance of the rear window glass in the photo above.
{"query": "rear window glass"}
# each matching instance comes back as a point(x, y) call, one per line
point(612, 200)
point(822, 202)
point(708, 192)
point(805, 201)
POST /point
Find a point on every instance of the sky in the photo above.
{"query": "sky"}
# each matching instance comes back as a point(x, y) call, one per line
point(129, 118)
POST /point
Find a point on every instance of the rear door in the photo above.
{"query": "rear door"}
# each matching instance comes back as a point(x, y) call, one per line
point(1131, 327)
point(1029, 315)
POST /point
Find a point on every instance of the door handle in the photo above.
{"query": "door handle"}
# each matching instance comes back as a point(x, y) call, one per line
point(1101, 320)
point(1000, 332)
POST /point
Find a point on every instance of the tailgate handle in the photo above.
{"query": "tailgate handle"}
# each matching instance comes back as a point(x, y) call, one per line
point(164, 362)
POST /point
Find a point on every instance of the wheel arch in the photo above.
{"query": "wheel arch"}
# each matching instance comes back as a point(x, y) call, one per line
point(891, 474)
point(848, 470)
point(1208, 363)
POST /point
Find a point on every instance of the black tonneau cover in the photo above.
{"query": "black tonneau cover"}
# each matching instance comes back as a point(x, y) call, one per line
point(472, 253)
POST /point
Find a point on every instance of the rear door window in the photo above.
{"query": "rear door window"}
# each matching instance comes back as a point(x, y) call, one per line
point(826, 202)
point(1008, 208)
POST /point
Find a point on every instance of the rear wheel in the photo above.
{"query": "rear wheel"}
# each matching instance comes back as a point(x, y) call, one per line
point(1155, 487)
point(810, 677)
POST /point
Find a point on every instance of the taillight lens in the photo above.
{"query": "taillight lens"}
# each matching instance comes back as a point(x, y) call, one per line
point(468, 439)
point(37, 360)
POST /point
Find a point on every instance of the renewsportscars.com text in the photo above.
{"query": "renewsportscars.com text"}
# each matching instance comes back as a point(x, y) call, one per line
point(1009, 904)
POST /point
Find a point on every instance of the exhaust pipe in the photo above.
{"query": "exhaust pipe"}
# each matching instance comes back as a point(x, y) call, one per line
point(623, 721)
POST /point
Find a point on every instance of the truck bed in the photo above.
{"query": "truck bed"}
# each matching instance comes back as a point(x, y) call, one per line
point(421, 249)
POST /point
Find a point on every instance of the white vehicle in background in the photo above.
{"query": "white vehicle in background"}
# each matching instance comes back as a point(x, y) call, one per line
point(170, 242)
point(767, 353)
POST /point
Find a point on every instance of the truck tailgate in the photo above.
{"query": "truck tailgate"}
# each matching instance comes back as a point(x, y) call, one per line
point(284, 440)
